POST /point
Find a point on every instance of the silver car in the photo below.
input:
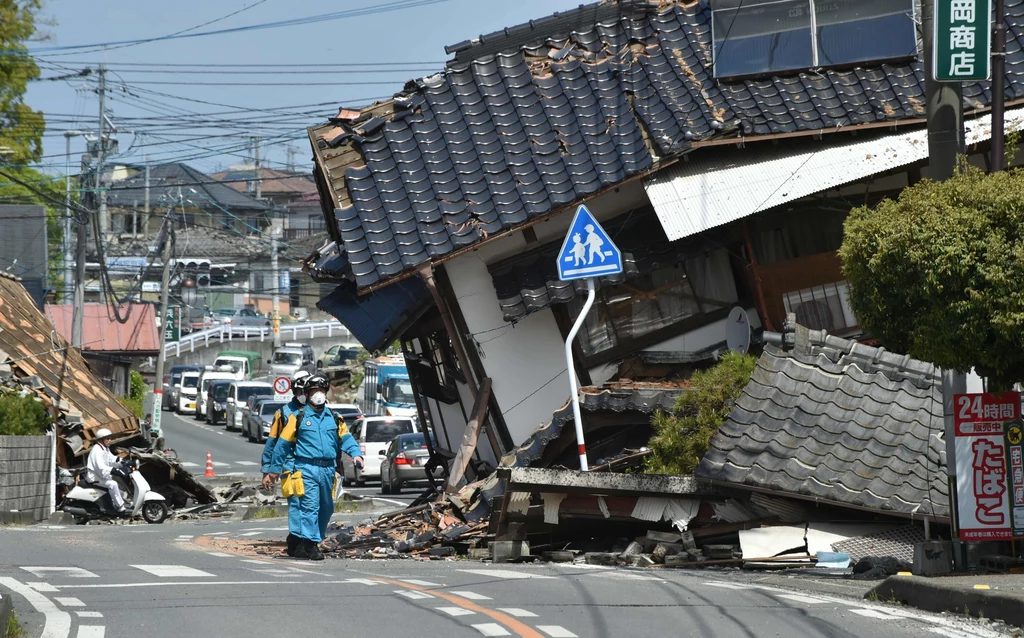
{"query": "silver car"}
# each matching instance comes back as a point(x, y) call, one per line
point(259, 418)
point(240, 318)
point(403, 463)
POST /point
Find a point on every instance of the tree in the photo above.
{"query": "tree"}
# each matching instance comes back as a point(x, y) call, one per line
point(939, 272)
point(682, 438)
point(21, 127)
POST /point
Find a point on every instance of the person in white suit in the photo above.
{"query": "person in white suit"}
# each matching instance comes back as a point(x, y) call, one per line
point(101, 461)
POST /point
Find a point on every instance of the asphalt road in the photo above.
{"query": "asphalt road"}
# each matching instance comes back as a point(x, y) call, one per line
point(194, 579)
point(234, 457)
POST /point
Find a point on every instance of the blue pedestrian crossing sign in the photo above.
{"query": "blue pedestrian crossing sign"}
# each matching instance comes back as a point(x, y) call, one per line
point(587, 251)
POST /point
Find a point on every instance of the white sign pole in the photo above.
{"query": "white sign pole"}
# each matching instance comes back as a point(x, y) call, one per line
point(571, 369)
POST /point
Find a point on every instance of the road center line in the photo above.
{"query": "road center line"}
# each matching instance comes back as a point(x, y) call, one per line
point(215, 583)
point(521, 629)
point(56, 624)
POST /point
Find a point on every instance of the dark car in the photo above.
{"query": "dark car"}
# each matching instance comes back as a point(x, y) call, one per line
point(217, 409)
point(259, 418)
point(403, 462)
point(171, 379)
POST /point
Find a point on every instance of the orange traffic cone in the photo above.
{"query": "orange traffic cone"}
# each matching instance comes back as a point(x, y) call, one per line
point(209, 465)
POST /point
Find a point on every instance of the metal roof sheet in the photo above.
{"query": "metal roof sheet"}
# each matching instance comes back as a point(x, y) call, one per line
point(102, 333)
point(714, 189)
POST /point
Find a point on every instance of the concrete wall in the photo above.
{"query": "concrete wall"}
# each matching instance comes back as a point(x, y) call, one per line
point(25, 475)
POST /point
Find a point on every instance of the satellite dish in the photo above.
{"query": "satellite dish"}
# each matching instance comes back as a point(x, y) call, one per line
point(737, 330)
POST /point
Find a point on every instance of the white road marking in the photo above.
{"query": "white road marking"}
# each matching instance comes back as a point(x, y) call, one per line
point(69, 602)
point(251, 534)
point(220, 464)
point(265, 529)
point(173, 571)
point(56, 623)
point(89, 614)
point(256, 561)
point(413, 595)
point(363, 581)
point(491, 629)
point(556, 631)
point(91, 631)
point(503, 573)
point(42, 587)
point(873, 613)
point(66, 572)
point(216, 533)
point(727, 585)
point(220, 554)
point(189, 464)
point(272, 570)
point(802, 599)
point(456, 611)
point(219, 583)
point(470, 595)
point(184, 537)
point(421, 583)
point(950, 633)
point(246, 463)
point(517, 612)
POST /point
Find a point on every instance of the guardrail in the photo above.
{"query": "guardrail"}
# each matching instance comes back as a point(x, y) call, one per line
point(220, 334)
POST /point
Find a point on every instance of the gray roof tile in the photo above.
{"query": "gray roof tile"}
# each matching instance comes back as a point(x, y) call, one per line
point(837, 421)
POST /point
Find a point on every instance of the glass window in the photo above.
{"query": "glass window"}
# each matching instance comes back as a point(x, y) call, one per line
point(822, 307)
point(268, 408)
point(383, 431)
point(666, 295)
point(189, 381)
point(753, 37)
point(413, 442)
point(400, 391)
point(236, 366)
point(220, 392)
point(287, 358)
point(245, 392)
point(225, 312)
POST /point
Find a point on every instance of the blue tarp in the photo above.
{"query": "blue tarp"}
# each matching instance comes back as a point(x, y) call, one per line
point(377, 319)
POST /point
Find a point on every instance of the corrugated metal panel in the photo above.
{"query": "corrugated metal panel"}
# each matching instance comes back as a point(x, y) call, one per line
point(708, 191)
point(378, 319)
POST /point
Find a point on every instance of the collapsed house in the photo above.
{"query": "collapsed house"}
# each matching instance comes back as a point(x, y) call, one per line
point(34, 357)
point(446, 204)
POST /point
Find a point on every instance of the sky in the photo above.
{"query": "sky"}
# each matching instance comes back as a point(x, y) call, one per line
point(179, 100)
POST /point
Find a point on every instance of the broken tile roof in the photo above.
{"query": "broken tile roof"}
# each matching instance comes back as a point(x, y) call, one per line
point(29, 343)
point(168, 181)
point(836, 421)
point(528, 121)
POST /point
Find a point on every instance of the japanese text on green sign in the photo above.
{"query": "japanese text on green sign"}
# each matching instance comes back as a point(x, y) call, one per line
point(962, 45)
point(172, 324)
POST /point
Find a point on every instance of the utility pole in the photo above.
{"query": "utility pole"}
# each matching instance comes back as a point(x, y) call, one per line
point(997, 161)
point(275, 320)
point(165, 284)
point(69, 256)
point(100, 190)
point(145, 207)
point(945, 108)
point(79, 301)
point(256, 163)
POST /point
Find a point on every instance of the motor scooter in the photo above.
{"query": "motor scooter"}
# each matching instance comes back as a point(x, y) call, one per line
point(87, 501)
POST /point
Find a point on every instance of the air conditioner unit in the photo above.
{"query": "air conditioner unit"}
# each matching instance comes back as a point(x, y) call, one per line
point(825, 307)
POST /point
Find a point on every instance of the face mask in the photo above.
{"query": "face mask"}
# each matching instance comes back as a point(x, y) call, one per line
point(301, 398)
point(318, 398)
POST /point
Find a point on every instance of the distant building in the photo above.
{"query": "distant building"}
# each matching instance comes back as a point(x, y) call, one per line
point(23, 247)
point(294, 194)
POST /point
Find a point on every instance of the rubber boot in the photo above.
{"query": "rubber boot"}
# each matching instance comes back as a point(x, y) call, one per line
point(293, 543)
point(301, 549)
point(313, 551)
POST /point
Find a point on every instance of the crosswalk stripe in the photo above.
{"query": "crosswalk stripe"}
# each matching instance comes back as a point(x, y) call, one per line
point(70, 602)
point(456, 611)
point(42, 587)
point(246, 463)
point(421, 583)
point(873, 613)
point(67, 572)
point(517, 612)
point(89, 614)
point(556, 631)
point(503, 573)
point(91, 631)
point(470, 594)
point(802, 599)
point(413, 595)
point(491, 629)
point(189, 464)
point(173, 571)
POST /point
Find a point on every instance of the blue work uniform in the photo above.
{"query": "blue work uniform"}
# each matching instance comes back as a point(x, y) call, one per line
point(315, 441)
point(280, 419)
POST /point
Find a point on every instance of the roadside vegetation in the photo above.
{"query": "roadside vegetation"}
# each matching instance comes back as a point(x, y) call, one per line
point(22, 415)
point(136, 394)
point(939, 272)
point(14, 629)
point(683, 437)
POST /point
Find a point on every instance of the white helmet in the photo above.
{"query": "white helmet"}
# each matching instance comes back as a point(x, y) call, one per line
point(103, 433)
point(301, 374)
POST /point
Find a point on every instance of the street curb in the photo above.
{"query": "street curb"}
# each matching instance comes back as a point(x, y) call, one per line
point(6, 608)
point(931, 594)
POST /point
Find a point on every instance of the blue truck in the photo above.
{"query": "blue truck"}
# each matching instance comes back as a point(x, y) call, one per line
point(387, 389)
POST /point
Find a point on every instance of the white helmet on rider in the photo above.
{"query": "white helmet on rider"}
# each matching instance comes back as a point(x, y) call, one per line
point(103, 433)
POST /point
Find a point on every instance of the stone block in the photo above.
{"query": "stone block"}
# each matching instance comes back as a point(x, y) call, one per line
point(933, 558)
point(505, 551)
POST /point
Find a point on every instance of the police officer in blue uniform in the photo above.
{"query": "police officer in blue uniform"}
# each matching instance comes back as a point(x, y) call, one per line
point(315, 437)
point(280, 418)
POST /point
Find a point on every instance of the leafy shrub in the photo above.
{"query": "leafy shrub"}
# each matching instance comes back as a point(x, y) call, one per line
point(22, 415)
point(136, 394)
point(683, 437)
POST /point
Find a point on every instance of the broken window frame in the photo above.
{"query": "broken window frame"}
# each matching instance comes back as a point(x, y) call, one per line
point(836, 298)
point(622, 338)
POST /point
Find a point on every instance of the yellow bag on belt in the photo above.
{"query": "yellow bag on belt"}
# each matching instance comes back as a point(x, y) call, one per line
point(298, 487)
point(292, 485)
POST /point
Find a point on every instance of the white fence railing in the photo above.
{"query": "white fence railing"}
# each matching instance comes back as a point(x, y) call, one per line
point(220, 334)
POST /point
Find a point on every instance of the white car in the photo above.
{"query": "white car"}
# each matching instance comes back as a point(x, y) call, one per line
point(238, 395)
point(209, 375)
point(374, 434)
point(188, 389)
